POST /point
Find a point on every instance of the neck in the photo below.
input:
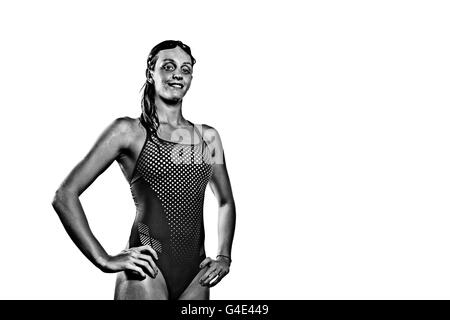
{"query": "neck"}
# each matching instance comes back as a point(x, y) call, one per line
point(169, 112)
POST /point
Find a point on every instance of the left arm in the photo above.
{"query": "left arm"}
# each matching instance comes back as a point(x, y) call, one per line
point(221, 188)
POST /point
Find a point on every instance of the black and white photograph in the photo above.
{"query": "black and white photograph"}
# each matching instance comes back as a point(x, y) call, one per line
point(238, 150)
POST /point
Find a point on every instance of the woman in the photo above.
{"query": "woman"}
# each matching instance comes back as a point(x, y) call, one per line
point(168, 161)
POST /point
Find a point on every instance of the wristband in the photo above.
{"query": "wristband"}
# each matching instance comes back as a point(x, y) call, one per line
point(221, 255)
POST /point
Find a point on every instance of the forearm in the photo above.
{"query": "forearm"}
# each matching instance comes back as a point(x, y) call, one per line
point(70, 211)
point(226, 226)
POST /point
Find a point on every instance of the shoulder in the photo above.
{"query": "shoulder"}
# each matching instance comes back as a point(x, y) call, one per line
point(214, 142)
point(124, 124)
point(210, 134)
point(124, 129)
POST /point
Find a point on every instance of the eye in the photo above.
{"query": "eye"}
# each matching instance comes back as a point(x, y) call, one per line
point(186, 70)
point(168, 67)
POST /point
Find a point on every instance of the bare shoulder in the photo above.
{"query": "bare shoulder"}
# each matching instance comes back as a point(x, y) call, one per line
point(214, 143)
point(125, 129)
point(210, 134)
point(125, 124)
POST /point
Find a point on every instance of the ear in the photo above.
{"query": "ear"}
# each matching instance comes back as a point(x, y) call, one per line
point(150, 74)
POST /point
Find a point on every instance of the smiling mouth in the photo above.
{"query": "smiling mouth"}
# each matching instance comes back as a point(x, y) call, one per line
point(176, 85)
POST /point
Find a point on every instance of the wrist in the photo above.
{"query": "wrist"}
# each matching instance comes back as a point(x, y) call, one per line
point(101, 262)
point(224, 258)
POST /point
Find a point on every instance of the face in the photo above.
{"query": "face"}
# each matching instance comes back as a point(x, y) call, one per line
point(172, 74)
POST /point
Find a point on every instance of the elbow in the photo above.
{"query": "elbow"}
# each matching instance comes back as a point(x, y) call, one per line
point(59, 199)
point(227, 202)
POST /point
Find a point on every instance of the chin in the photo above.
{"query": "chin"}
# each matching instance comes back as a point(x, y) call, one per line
point(175, 95)
point(173, 98)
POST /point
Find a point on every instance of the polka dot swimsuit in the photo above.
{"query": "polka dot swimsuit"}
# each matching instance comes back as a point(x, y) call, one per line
point(168, 187)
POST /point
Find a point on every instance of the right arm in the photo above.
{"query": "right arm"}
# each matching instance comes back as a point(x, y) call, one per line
point(108, 147)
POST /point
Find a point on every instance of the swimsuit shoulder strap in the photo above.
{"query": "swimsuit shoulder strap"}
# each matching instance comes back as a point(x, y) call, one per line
point(196, 130)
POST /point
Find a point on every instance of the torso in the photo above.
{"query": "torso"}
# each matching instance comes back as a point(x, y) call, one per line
point(167, 183)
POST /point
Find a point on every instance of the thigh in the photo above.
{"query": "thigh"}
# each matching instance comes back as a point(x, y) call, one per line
point(195, 291)
point(128, 287)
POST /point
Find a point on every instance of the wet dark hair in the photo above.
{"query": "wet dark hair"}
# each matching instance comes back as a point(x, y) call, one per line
point(149, 117)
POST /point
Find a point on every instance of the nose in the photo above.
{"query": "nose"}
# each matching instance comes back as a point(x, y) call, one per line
point(177, 76)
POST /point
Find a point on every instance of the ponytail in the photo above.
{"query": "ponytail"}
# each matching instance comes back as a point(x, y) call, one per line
point(149, 117)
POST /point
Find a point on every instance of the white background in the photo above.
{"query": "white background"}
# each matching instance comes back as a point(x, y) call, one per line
point(334, 117)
